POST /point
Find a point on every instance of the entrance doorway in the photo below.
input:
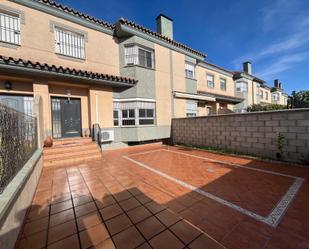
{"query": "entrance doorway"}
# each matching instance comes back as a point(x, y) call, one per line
point(66, 117)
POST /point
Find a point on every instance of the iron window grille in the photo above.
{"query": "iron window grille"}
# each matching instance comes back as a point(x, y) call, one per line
point(10, 28)
point(69, 43)
point(191, 109)
point(135, 55)
point(128, 117)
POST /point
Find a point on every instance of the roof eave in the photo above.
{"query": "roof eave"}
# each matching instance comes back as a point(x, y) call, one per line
point(125, 29)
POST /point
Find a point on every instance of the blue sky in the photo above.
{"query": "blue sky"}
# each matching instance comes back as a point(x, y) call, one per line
point(273, 35)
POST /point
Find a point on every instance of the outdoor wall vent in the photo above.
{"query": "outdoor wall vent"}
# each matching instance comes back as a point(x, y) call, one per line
point(8, 85)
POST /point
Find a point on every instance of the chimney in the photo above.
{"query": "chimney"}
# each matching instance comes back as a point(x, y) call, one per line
point(280, 85)
point(165, 26)
point(276, 83)
point(247, 66)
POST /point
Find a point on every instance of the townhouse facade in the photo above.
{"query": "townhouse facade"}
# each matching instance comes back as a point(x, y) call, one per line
point(127, 79)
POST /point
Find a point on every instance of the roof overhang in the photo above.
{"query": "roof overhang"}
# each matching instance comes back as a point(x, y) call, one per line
point(193, 96)
point(223, 98)
point(18, 67)
point(123, 30)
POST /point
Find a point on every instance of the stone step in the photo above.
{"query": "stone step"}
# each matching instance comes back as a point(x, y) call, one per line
point(60, 149)
point(71, 140)
point(71, 160)
point(76, 153)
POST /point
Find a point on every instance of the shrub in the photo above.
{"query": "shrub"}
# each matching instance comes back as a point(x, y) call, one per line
point(269, 107)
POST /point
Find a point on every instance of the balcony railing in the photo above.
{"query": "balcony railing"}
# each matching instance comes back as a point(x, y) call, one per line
point(18, 142)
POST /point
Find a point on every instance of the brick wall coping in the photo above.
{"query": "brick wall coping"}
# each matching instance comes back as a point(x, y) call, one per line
point(249, 113)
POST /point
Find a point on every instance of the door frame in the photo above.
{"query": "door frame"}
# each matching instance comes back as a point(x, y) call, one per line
point(51, 108)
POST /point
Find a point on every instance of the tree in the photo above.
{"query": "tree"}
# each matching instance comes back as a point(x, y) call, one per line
point(263, 108)
point(299, 99)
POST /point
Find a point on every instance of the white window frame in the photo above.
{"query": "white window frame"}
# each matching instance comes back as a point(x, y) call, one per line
point(133, 56)
point(10, 28)
point(69, 43)
point(189, 70)
point(128, 118)
point(210, 83)
point(266, 95)
point(118, 119)
point(241, 87)
point(275, 96)
point(146, 116)
point(225, 83)
point(262, 94)
point(191, 108)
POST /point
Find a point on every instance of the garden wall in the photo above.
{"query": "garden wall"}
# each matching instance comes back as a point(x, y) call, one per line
point(249, 133)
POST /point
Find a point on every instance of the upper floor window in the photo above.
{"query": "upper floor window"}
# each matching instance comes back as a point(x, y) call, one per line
point(241, 87)
point(266, 95)
point(191, 108)
point(262, 94)
point(210, 81)
point(223, 84)
point(275, 96)
point(10, 28)
point(70, 43)
point(135, 55)
point(189, 70)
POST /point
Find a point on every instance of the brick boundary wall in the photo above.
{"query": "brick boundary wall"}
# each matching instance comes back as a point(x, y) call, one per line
point(254, 133)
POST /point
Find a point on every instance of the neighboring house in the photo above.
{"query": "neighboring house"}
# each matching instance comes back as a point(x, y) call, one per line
point(255, 91)
point(126, 78)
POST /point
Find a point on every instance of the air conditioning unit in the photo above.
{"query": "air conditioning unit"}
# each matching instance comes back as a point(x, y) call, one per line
point(107, 136)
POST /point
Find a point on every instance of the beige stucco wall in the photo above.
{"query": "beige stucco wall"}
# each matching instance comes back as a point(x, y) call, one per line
point(101, 106)
point(180, 107)
point(178, 70)
point(201, 76)
point(163, 86)
point(37, 43)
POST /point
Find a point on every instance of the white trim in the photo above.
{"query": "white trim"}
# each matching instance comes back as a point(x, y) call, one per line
point(134, 99)
point(193, 96)
point(272, 219)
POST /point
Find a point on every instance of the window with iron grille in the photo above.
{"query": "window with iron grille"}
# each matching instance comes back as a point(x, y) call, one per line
point(146, 116)
point(70, 43)
point(10, 28)
point(135, 55)
point(223, 84)
point(210, 81)
point(128, 117)
point(116, 117)
point(189, 70)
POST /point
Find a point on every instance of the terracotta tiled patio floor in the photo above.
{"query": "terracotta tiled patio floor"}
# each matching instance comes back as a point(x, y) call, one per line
point(154, 196)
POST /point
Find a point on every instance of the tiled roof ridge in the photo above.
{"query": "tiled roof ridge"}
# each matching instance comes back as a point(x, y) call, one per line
point(76, 13)
point(157, 35)
point(61, 69)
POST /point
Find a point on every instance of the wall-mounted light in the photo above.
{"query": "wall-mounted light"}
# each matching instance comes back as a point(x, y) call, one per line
point(8, 85)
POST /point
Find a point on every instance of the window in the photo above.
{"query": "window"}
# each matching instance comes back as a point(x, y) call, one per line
point(262, 94)
point(241, 87)
point(189, 70)
point(266, 95)
point(275, 96)
point(210, 81)
point(208, 110)
point(135, 55)
point(146, 116)
point(223, 84)
point(128, 117)
point(69, 43)
point(116, 117)
point(10, 28)
point(191, 109)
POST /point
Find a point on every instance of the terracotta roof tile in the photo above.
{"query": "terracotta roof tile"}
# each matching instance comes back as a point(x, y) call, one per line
point(65, 70)
point(76, 13)
point(159, 36)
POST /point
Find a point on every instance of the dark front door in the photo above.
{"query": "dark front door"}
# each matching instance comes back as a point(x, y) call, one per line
point(66, 117)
